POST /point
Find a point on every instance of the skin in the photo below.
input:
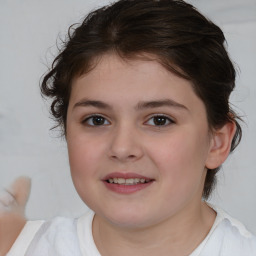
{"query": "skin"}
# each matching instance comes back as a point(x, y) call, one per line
point(165, 218)
point(11, 226)
point(168, 216)
point(12, 207)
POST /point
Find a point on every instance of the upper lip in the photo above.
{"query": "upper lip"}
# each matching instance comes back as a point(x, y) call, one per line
point(126, 175)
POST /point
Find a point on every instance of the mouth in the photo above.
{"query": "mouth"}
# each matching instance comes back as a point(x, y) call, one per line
point(126, 183)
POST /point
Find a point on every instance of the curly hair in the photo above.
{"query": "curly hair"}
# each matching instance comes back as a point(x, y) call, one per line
point(181, 39)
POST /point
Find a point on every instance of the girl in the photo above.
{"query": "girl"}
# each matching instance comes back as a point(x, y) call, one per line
point(141, 90)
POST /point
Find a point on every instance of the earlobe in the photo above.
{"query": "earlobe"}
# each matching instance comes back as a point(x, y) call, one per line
point(220, 145)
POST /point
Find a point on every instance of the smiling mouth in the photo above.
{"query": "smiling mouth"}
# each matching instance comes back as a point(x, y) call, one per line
point(128, 182)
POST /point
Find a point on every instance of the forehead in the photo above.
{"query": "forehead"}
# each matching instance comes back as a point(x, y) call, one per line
point(140, 79)
point(105, 61)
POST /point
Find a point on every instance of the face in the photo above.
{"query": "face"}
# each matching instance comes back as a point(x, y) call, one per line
point(138, 142)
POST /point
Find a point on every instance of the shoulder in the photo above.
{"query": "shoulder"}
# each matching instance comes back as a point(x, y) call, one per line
point(237, 238)
point(231, 237)
point(47, 238)
point(25, 237)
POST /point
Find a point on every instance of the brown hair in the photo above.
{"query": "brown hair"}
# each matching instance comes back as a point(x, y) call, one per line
point(181, 39)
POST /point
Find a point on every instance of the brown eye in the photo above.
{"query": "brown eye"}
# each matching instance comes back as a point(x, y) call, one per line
point(159, 120)
point(96, 121)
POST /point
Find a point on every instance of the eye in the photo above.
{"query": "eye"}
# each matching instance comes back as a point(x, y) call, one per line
point(159, 120)
point(96, 120)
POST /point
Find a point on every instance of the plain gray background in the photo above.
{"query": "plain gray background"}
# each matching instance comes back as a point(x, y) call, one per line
point(29, 31)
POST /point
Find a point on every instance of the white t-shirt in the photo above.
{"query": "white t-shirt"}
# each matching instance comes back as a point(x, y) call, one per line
point(69, 237)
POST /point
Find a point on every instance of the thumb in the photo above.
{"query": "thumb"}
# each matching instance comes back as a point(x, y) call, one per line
point(20, 189)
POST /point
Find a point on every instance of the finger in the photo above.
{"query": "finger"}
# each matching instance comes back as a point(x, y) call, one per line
point(6, 198)
point(20, 190)
point(7, 201)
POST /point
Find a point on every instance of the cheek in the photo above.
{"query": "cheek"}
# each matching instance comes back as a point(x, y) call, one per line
point(84, 155)
point(178, 150)
point(85, 158)
point(181, 157)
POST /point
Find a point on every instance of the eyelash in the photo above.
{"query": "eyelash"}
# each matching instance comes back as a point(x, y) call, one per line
point(90, 118)
point(163, 117)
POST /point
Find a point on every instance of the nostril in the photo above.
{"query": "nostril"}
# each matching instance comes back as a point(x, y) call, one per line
point(124, 158)
point(131, 156)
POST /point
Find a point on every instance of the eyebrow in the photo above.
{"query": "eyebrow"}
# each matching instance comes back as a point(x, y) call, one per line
point(92, 103)
point(160, 103)
point(140, 106)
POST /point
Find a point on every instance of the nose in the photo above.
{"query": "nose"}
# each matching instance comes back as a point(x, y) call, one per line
point(125, 144)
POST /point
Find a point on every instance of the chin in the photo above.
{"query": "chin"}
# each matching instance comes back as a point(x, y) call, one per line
point(127, 218)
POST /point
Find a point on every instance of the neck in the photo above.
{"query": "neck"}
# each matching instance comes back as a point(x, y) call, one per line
point(178, 235)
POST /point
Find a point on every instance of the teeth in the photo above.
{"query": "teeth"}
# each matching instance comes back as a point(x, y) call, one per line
point(137, 180)
point(130, 181)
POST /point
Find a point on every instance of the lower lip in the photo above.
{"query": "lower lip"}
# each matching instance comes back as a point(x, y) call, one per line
point(126, 189)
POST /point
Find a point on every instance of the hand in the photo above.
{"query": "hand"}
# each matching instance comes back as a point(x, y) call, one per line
point(12, 212)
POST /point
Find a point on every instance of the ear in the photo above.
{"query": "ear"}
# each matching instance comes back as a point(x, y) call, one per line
point(220, 145)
